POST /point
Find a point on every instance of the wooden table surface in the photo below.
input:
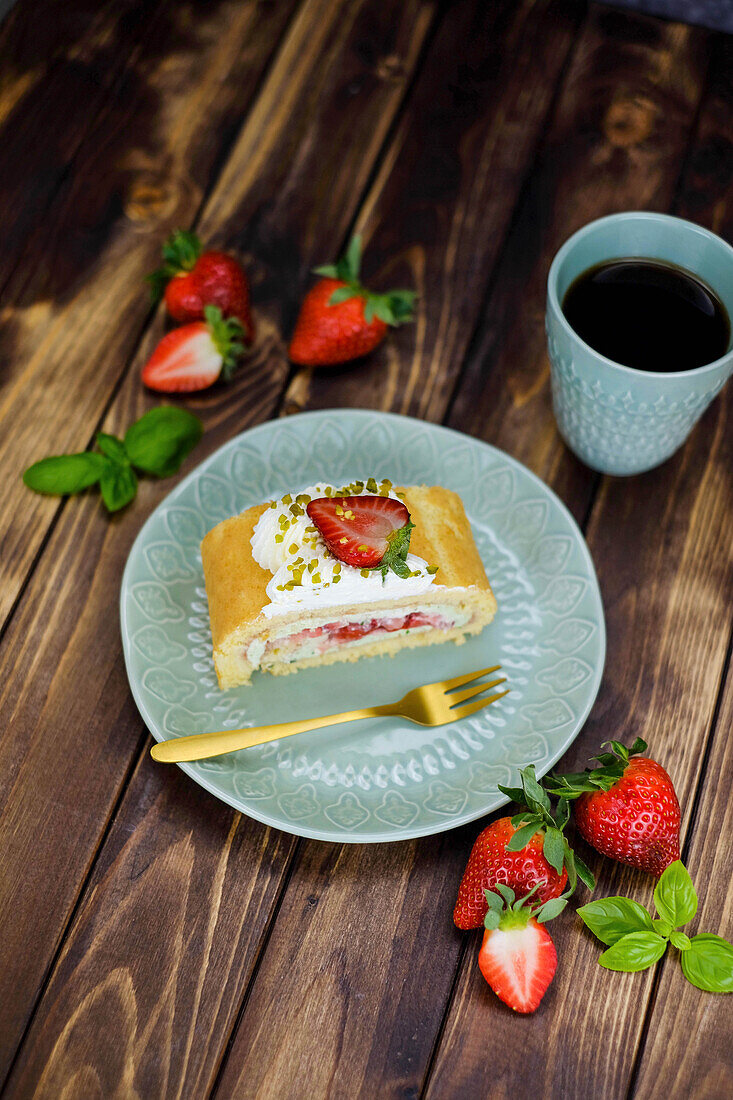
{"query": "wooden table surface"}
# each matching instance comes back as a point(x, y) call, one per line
point(153, 942)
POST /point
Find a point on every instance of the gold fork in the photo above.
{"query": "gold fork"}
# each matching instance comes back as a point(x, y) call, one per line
point(430, 705)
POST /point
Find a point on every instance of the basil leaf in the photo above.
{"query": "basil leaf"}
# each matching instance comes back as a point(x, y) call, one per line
point(64, 474)
point(637, 951)
point(610, 919)
point(679, 940)
point(663, 927)
point(160, 440)
point(708, 963)
point(553, 849)
point(118, 485)
point(111, 446)
point(674, 895)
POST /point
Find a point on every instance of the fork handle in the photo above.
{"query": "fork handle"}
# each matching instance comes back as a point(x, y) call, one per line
point(202, 745)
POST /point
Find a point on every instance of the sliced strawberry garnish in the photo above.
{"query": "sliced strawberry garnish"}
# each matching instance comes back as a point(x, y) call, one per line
point(365, 531)
point(517, 958)
point(194, 356)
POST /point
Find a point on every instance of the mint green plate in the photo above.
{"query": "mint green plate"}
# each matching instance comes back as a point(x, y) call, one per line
point(383, 779)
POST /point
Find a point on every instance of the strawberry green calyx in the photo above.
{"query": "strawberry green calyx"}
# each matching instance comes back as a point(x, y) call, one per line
point(395, 557)
point(613, 765)
point(394, 308)
point(540, 817)
point(227, 334)
point(180, 253)
point(506, 912)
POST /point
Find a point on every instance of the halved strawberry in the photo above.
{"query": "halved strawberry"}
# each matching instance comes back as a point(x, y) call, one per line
point(517, 957)
point(365, 531)
point(193, 356)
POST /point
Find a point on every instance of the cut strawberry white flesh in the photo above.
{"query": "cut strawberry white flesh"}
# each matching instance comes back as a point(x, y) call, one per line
point(519, 964)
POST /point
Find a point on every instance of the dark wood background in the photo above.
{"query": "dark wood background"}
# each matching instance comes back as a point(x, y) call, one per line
point(153, 943)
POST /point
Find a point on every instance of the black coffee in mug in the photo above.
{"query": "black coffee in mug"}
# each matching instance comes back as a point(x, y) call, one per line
point(648, 314)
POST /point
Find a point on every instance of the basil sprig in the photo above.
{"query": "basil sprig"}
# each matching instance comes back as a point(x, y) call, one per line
point(155, 444)
point(636, 941)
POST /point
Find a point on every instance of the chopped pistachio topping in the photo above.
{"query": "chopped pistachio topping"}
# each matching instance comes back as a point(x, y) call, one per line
point(432, 570)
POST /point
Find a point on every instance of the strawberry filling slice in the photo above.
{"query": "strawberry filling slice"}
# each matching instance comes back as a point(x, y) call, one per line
point(335, 634)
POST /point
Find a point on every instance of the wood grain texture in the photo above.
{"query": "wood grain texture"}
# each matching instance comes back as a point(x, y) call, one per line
point(73, 309)
point(661, 547)
point(617, 142)
point(353, 985)
point(72, 596)
point(701, 1067)
point(706, 1070)
point(437, 214)
point(162, 949)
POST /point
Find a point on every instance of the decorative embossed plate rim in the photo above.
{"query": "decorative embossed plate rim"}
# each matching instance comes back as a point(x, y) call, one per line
point(384, 780)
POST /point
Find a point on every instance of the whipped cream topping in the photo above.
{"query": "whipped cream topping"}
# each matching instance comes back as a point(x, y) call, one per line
point(306, 574)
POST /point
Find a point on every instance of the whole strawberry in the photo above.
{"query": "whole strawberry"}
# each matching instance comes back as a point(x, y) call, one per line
point(627, 809)
point(523, 852)
point(340, 319)
point(191, 279)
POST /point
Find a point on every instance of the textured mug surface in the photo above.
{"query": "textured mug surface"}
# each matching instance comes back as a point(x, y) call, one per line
point(616, 419)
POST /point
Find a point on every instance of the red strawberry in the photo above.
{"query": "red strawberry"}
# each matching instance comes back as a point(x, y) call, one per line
point(193, 356)
point(517, 957)
point(365, 531)
point(627, 809)
point(523, 852)
point(191, 279)
point(340, 319)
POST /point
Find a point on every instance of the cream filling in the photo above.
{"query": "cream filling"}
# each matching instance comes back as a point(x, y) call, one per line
point(287, 645)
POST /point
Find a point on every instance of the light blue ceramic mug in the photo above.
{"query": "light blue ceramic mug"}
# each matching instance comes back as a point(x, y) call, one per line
point(617, 419)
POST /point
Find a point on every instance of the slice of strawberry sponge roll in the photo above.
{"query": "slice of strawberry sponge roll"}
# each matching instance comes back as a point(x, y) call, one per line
point(335, 573)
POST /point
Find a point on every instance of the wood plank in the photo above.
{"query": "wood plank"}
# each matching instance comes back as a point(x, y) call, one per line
point(706, 1070)
point(702, 1067)
point(668, 619)
point(439, 210)
point(65, 632)
point(162, 951)
point(75, 306)
point(347, 1062)
point(59, 59)
point(617, 143)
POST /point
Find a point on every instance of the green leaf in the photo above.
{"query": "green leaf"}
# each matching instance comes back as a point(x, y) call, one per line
point(492, 919)
point(119, 486)
point(522, 837)
point(353, 257)
point(62, 474)
point(160, 440)
point(708, 963)
point(553, 849)
point(111, 446)
point(610, 919)
point(369, 310)
point(637, 951)
point(494, 901)
point(342, 294)
point(515, 793)
point(532, 789)
point(550, 909)
point(327, 270)
point(562, 813)
point(663, 927)
point(679, 940)
point(506, 892)
point(674, 895)
point(585, 874)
